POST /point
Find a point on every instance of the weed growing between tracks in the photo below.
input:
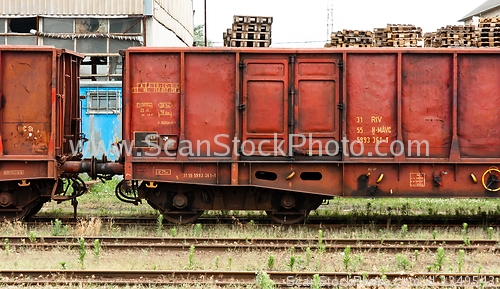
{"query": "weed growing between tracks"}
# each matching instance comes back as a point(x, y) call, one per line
point(351, 259)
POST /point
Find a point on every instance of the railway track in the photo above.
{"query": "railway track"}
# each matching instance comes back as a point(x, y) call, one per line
point(224, 244)
point(330, 222)
point(246, 278)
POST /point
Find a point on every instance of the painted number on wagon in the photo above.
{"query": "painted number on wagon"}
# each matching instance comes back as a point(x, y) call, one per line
point(199, 175)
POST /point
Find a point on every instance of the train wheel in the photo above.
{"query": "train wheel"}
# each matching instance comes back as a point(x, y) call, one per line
point(12, 214)
point(36, 208)
point(287, 217)
point(182, 217)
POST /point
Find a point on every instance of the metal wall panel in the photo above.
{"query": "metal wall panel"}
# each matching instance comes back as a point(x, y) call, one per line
point(71, 8)
point(176, 16)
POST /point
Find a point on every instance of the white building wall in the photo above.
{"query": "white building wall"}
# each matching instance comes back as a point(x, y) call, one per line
point(159, 35)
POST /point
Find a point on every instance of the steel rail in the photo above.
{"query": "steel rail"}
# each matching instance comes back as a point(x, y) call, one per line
point(223, 278)
point(327, 222)
point(202, 243)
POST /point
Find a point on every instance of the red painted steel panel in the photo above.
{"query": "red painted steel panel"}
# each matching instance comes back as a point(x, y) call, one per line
point(317, 119)
point(210, 105)
point(371, 103)
point(27, 106)
point(427, 99)
point(265, 96)
point(478, 98)
point(155, 98)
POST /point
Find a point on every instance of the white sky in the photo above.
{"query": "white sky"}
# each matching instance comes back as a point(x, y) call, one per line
point(303, 23)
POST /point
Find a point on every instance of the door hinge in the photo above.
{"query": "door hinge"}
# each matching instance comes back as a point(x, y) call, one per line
point(242, 64)
point(242, 106)
point(291, 59)
point(340, 106)
point(340, 64)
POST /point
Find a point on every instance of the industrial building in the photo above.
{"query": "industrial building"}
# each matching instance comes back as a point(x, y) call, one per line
point(490, 8)
point(97, 28)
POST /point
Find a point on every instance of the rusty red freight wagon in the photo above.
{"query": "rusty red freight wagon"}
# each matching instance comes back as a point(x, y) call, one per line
point(39, 126)
point(280, 130)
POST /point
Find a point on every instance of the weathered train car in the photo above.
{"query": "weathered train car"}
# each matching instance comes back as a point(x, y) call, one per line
point(39, 125)
point(280, 130)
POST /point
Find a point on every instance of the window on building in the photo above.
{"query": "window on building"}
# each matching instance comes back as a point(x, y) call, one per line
point(2, 25)
point(125, 25)
point(103, 101)
point(58, 25)
point(22, 25)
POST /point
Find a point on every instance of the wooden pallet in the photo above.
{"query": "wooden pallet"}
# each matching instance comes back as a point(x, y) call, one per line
point(359, 40)
point(250, 43)
point(395, 35)
point(488, 44)
point(251, 27)
point(251, 35)
point(488, 25)
point(489, 19)
point(252, 19)
point(343, 45)
point(367, 33)
point(489, 34)
point(402, 43)
point(403, 28)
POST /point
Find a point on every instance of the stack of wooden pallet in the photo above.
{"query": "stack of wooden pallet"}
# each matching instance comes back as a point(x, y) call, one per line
point(249, 31)
point(429, 40)
point(403, 35)
point(454, 36)
point(351, 38)
point(489, 32)
point(379, 37)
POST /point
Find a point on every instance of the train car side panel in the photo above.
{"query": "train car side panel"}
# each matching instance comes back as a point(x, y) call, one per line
point(426, 98)
point(27, 105)
point(371, 103)
point(478, 87)
point(210, 82)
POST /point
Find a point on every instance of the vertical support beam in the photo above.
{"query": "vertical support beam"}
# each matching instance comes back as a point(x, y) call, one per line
point(455, 149)
point(205, 24)
point(182, 119)
point(399, 137)
point(56, 124)
point(234, 154)
point(1, 100)
point(127, 114)
point(343, 113)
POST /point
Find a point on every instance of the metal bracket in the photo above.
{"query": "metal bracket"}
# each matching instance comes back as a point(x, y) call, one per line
point(340, 64)
point(340, 106)
point(242, 106)
point(242, 64)
point(24, 183)
point(151, 185)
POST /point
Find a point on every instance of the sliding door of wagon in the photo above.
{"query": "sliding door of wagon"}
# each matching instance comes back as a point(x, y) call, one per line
point(316, 112)
point(265, 105)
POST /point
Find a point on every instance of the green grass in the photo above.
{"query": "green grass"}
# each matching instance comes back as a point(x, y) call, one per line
point(430, 207)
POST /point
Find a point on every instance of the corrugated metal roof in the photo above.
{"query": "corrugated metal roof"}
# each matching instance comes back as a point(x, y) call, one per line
point(486, 6)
